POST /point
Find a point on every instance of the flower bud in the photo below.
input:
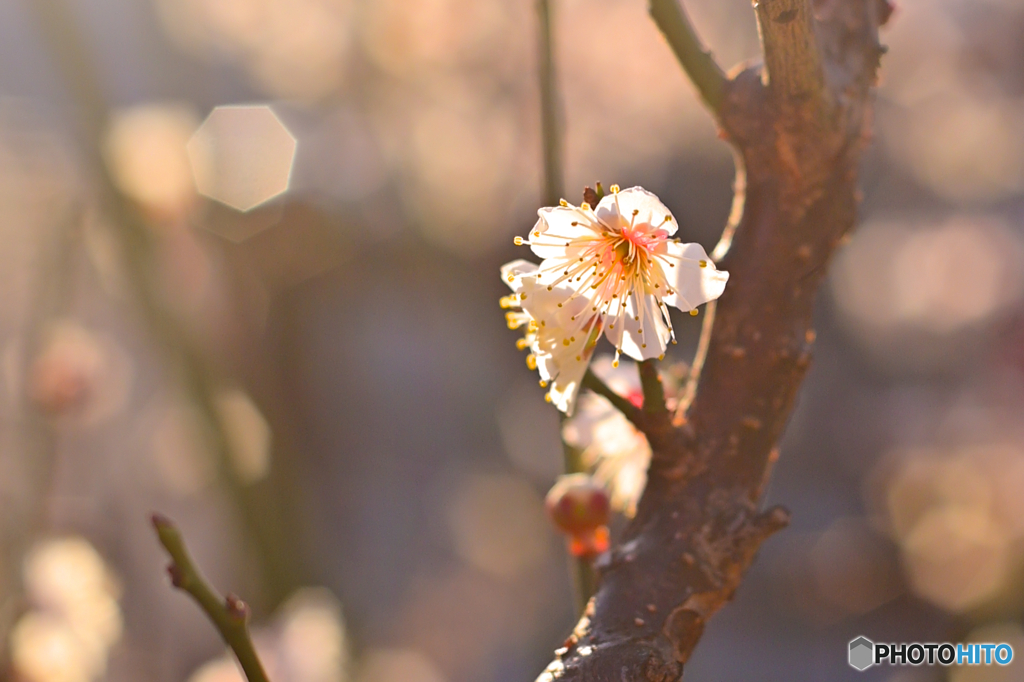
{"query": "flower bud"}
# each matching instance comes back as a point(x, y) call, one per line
point(578, 505)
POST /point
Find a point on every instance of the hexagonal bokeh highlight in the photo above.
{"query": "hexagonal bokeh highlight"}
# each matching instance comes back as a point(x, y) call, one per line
point(862, 653)
point(242, 156)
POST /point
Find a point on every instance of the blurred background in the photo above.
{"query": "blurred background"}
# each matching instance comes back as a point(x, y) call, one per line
point(248, 277)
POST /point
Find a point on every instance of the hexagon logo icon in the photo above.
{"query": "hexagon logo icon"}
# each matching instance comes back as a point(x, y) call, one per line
point(862, 653)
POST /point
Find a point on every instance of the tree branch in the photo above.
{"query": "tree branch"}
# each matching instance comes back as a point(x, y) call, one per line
point(705, 73)
point(791, 55)
point(698, 527)
point(229, 615)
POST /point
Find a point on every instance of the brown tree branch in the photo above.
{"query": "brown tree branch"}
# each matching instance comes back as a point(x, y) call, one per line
point(698, 526)
point(793, 63)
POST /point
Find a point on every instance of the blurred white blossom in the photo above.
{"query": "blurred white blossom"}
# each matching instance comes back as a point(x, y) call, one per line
point(616, 451)
point(74, 619)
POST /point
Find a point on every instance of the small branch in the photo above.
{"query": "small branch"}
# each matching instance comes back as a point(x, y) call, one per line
point(628, 409)
point(791, 55)
point(550, 109)
point(654, 391)
point(229, 615)
point(702, 69)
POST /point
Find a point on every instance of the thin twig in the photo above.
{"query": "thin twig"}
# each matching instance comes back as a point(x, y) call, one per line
point(550, 109)
point(628, 409)
point(705, 73)
point(693, 377)
point(229, 615)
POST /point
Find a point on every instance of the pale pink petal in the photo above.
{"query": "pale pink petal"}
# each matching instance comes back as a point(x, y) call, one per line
point(643, 338)
point(693, 285)
point(558, 228)
point(617, 209)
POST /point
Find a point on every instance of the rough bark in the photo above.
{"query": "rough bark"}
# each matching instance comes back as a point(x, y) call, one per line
point(798, 125)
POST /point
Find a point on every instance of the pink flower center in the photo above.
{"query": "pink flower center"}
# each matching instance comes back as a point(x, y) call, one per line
point(642, 239)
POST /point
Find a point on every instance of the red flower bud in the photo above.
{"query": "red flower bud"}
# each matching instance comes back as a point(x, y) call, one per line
point(578, 505)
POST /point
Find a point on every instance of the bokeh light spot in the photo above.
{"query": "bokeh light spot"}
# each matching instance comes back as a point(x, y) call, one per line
point(497, 524)
point(391, 665)
point(248, 434)
point(242, 156)
point(145, 150)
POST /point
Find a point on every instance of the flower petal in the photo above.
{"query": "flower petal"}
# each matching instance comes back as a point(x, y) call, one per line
point(558, 227)
point(513, 272)
point(572, 365)
point(617, 209)
point(643, 338)
point(693, 285)
point(554, 307)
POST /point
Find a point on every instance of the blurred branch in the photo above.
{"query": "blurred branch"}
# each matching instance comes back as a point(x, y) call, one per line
point(260, 519)
point(698, 525)
point(26, 517)
point(593, 383)
point(550, 109)
point(705, 73)
point(229, 615)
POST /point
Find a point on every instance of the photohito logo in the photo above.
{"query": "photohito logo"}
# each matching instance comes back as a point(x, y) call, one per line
point(863, 653)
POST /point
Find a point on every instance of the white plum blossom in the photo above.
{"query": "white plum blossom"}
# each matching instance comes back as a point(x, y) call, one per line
point(613, 269)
